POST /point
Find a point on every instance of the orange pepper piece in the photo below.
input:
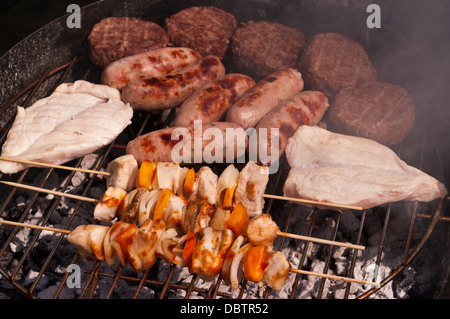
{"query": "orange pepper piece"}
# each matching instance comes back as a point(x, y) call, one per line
point(238, 219)
point(189, 182)
point(228, 196)
point(161, 205)
point(189, 246)
point(125, 239)
point(146, 174)
point(255, 263)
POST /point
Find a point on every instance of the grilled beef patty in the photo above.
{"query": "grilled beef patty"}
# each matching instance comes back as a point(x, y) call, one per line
point(206, 30)
point(331, 62)
point(377, 110)
point(263, 47)
point(117, 37)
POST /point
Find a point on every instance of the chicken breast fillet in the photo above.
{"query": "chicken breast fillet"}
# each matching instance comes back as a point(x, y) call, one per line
point(75, 120)
point(341, 169)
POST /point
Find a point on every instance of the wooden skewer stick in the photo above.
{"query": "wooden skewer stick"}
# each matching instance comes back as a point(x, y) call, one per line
point(54, 166)
point(44, 190)
point(305, 272)
point(179, 250)
point(58, 230)
point(319, 240)
point(313, 202)
point(292, 199)
point(92, 200)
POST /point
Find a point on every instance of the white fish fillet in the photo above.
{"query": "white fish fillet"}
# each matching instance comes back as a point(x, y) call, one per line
point(341, 169)
point(75, 120)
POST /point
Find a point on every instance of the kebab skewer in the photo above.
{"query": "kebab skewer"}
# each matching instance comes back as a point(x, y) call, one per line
point(188, 205)
point(176, 210)
point(329, 205)
point(90, 236)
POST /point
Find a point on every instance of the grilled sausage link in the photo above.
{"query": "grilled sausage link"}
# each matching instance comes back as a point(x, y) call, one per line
point(264, 96)
point(154, 63)
point(210, 102)
point(303, 108)
point(159, 93)
point(169, 145)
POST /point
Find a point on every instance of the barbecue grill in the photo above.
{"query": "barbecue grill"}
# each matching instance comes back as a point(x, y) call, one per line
point(406, 243)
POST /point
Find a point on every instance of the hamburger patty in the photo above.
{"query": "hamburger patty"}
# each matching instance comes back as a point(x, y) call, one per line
point(206, 30)
point(117, 37)
point(263, 47)
point(377, 110)
point(331, 62)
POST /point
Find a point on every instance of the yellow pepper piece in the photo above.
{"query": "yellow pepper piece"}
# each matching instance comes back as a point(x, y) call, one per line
point(238, 219)
point(146, 174)
point(228, 196)
point(189, 182)
point(161, 205)
point(255, 263)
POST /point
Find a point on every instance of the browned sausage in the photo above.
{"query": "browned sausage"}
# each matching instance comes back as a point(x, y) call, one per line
point(159, 93)
point(210, 102)
point(154, 63)
point(264, 96)
point(303, 108)
point(165, 146)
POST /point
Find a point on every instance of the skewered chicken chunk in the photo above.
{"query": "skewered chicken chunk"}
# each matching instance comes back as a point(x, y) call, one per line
point(145, 244)
point(205, 186)
point(89, 241)
point(132, 245)
point(167, 176)
point(107, 207)
point(123, 172)
point(277, 270)
point(210, 251)
point(262, 230)
point(251, 187)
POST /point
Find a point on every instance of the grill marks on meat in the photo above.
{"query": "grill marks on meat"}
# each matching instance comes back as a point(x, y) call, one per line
point(205, 29)
point(253, 105)
point(210, 251)
point(156, 146)
point(303, 108)
point(117, 37)
point(210, 102)
point(380, 111)
point(263, 47)
point(331, 62)
point(158, 93)
point(154, 63)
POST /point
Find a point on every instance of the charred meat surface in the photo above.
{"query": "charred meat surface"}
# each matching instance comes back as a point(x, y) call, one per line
point(117, 37)
point(331, 62)
point(205, 29)
point(380, 111)
point(263, 47)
